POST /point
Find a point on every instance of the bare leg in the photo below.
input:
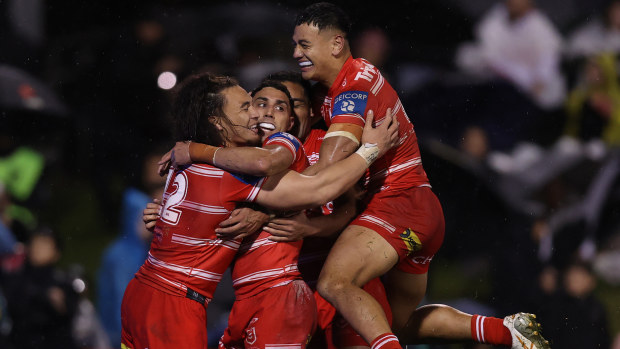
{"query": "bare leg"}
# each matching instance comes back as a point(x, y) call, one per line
point(404, 292)
point(436, 323)
point(359, 255)
point(428, 324)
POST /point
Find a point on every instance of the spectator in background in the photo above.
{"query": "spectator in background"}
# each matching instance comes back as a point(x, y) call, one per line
point(598, 35)
point(21, 172)
point(12, 254)
point(517, 42)
point(8, 242)
point(122, 259)
point(41, 300)
point(573, 316)
point(87, 329)
point(8, 248)
point(475, 144)
point(592, 107)
point(374, 45)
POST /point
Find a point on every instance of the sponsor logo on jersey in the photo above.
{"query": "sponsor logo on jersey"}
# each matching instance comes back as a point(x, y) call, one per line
point(250, 333)
point(347, 106)
point(411, 240)
point(366, 73)
point(422, 259)
point(350, 102)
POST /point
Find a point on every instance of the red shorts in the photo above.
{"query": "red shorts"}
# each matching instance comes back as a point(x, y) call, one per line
point(323, 337)
point(279, 315)
point(411, 221)
point(337, 331)
point(157, 320)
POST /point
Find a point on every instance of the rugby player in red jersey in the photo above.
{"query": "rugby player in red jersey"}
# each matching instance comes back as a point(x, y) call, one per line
point(319, 232)
point(273, 306)
point(402, 226)
point(165, 304)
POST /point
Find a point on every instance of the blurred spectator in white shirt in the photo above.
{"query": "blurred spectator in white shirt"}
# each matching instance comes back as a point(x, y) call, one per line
point(517, 42)
point(598, 35)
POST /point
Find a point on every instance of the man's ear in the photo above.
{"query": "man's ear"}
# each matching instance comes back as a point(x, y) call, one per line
point(338, 44)
point(291, 123)
point(216, 122)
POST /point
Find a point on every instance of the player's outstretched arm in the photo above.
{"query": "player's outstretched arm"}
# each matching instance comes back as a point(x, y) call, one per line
point(301, 226)
point(254, 161)
point(291, 190)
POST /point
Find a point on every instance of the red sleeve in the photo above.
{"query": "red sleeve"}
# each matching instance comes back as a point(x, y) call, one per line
point(239, 187)
point(286, 140)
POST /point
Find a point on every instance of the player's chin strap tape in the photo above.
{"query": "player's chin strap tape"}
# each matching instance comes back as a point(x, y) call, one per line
point(195, 296)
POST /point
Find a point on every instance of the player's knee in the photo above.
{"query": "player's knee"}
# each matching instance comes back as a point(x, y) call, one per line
point(330, 286)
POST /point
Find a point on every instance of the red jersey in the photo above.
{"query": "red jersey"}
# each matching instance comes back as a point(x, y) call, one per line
point(315, 249)
point(358, 88)
point(261, 263)
point(312, 145)
point(185, 253)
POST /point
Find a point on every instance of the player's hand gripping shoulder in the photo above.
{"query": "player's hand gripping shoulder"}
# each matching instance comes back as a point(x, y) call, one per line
point(291, 228)
point(378, 139)
point(242, 222)
point(150, 215)
point(176, 157)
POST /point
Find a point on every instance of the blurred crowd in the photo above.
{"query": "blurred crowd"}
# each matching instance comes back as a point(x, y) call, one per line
point(516, 104)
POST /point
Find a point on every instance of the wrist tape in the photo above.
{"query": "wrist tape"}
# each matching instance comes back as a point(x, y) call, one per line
point(369, 152)
point(202, 152)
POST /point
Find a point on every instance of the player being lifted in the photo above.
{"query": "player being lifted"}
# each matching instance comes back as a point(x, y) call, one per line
point(402, 226)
